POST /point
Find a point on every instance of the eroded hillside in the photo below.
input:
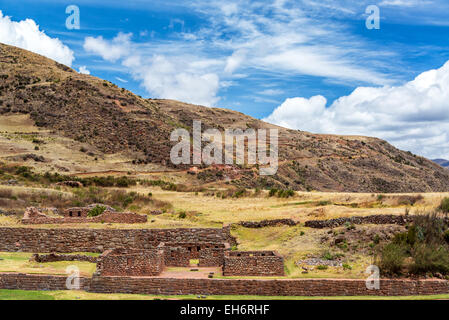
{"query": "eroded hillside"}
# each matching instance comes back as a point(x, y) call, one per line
point(95, 112)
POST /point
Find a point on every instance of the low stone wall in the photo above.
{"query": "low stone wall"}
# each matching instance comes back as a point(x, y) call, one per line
point(268, 223)
point(21, 281)
point(287, 287)
point(211, 257)
point(373, 219)
point(194, 248)
point(52, 257)
point(98, 240)
point(296, 287)
point(253, 263)
point(176, 257)
point(123, 262)
point(106, 217)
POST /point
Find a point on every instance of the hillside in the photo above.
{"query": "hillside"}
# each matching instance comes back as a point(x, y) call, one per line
point(104, 127)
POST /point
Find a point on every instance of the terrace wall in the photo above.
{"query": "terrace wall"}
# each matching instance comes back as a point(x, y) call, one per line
point(124, 262)
point(253, 263)
point(106, 217)
point(98, 240)
point(293, 287)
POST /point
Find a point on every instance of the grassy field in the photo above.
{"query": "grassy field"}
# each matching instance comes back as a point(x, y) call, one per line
point(19, 262)
point(201, 210)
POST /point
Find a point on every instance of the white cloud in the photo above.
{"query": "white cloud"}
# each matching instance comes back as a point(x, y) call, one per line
point(84, 70)
point(170, 78)
point(109, 50)
point(413, 116)
point(271, 92)
point(26, 34)
point(274, 39)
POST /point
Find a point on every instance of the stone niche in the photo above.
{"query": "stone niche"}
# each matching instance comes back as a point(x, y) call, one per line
point(127, 262)
point(76, 212)
point(253, 263)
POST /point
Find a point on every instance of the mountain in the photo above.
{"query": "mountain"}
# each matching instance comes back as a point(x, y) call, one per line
point(442, 162)
point(113, 121)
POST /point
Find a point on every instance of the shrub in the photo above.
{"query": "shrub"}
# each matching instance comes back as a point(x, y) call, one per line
point(429, 259)
point(182, 215)
point(322, 267)
point(346, 266)
point(272, 192)
point(392, 258)
point(444, 205)
point(96, 211)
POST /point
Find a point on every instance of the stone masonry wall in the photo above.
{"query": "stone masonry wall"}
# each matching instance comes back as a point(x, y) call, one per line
point(373, 219)
point(293, 287)
point(253, 263)
point(52, 257)
point(124, 262)
point(176, 257)
point(98, 240)
point(106, 217)
point(21, 281)
point(211, 257)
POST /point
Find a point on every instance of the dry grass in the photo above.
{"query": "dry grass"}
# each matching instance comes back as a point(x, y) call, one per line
point(19, 262)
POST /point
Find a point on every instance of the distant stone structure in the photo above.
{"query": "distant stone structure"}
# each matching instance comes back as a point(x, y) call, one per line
point(80, 215)
point(131, 262)
point(253, 263)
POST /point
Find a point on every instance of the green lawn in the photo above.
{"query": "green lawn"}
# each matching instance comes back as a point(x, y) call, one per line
point(82, 295)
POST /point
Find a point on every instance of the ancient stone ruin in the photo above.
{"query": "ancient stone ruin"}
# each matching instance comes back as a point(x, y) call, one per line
point(131, 262)
point(253, 263)
point(80, 215)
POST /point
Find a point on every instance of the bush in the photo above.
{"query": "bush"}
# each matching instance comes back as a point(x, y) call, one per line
point(96, 211)
point(392, 259)
point(429, 259)
point(322, 267)
point(422, 249)
point(444, 205)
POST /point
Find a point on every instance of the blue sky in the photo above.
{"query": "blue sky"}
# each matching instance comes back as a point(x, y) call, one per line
point(304, 64)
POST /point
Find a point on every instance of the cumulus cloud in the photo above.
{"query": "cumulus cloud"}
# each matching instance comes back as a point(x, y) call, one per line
point(173, 79)
point(109, 50)
point(26, 34)
point(84, 70)
point(171, 74)
point(413, 116)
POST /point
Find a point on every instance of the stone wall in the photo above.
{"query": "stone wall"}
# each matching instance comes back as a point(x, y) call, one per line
point(253, 263)
point(106, 217)
point(125, 262)
point(76, 212)
point(98, 240)
point(268, 223)
point(294, 287)
point(52, 257)
point(176, 257)
point(21, 281)
point(211, 257)
point(287, 287)
point(373, 219)
point(194, 248)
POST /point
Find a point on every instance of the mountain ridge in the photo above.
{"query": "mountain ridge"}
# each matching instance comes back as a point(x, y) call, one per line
point(114, 120)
